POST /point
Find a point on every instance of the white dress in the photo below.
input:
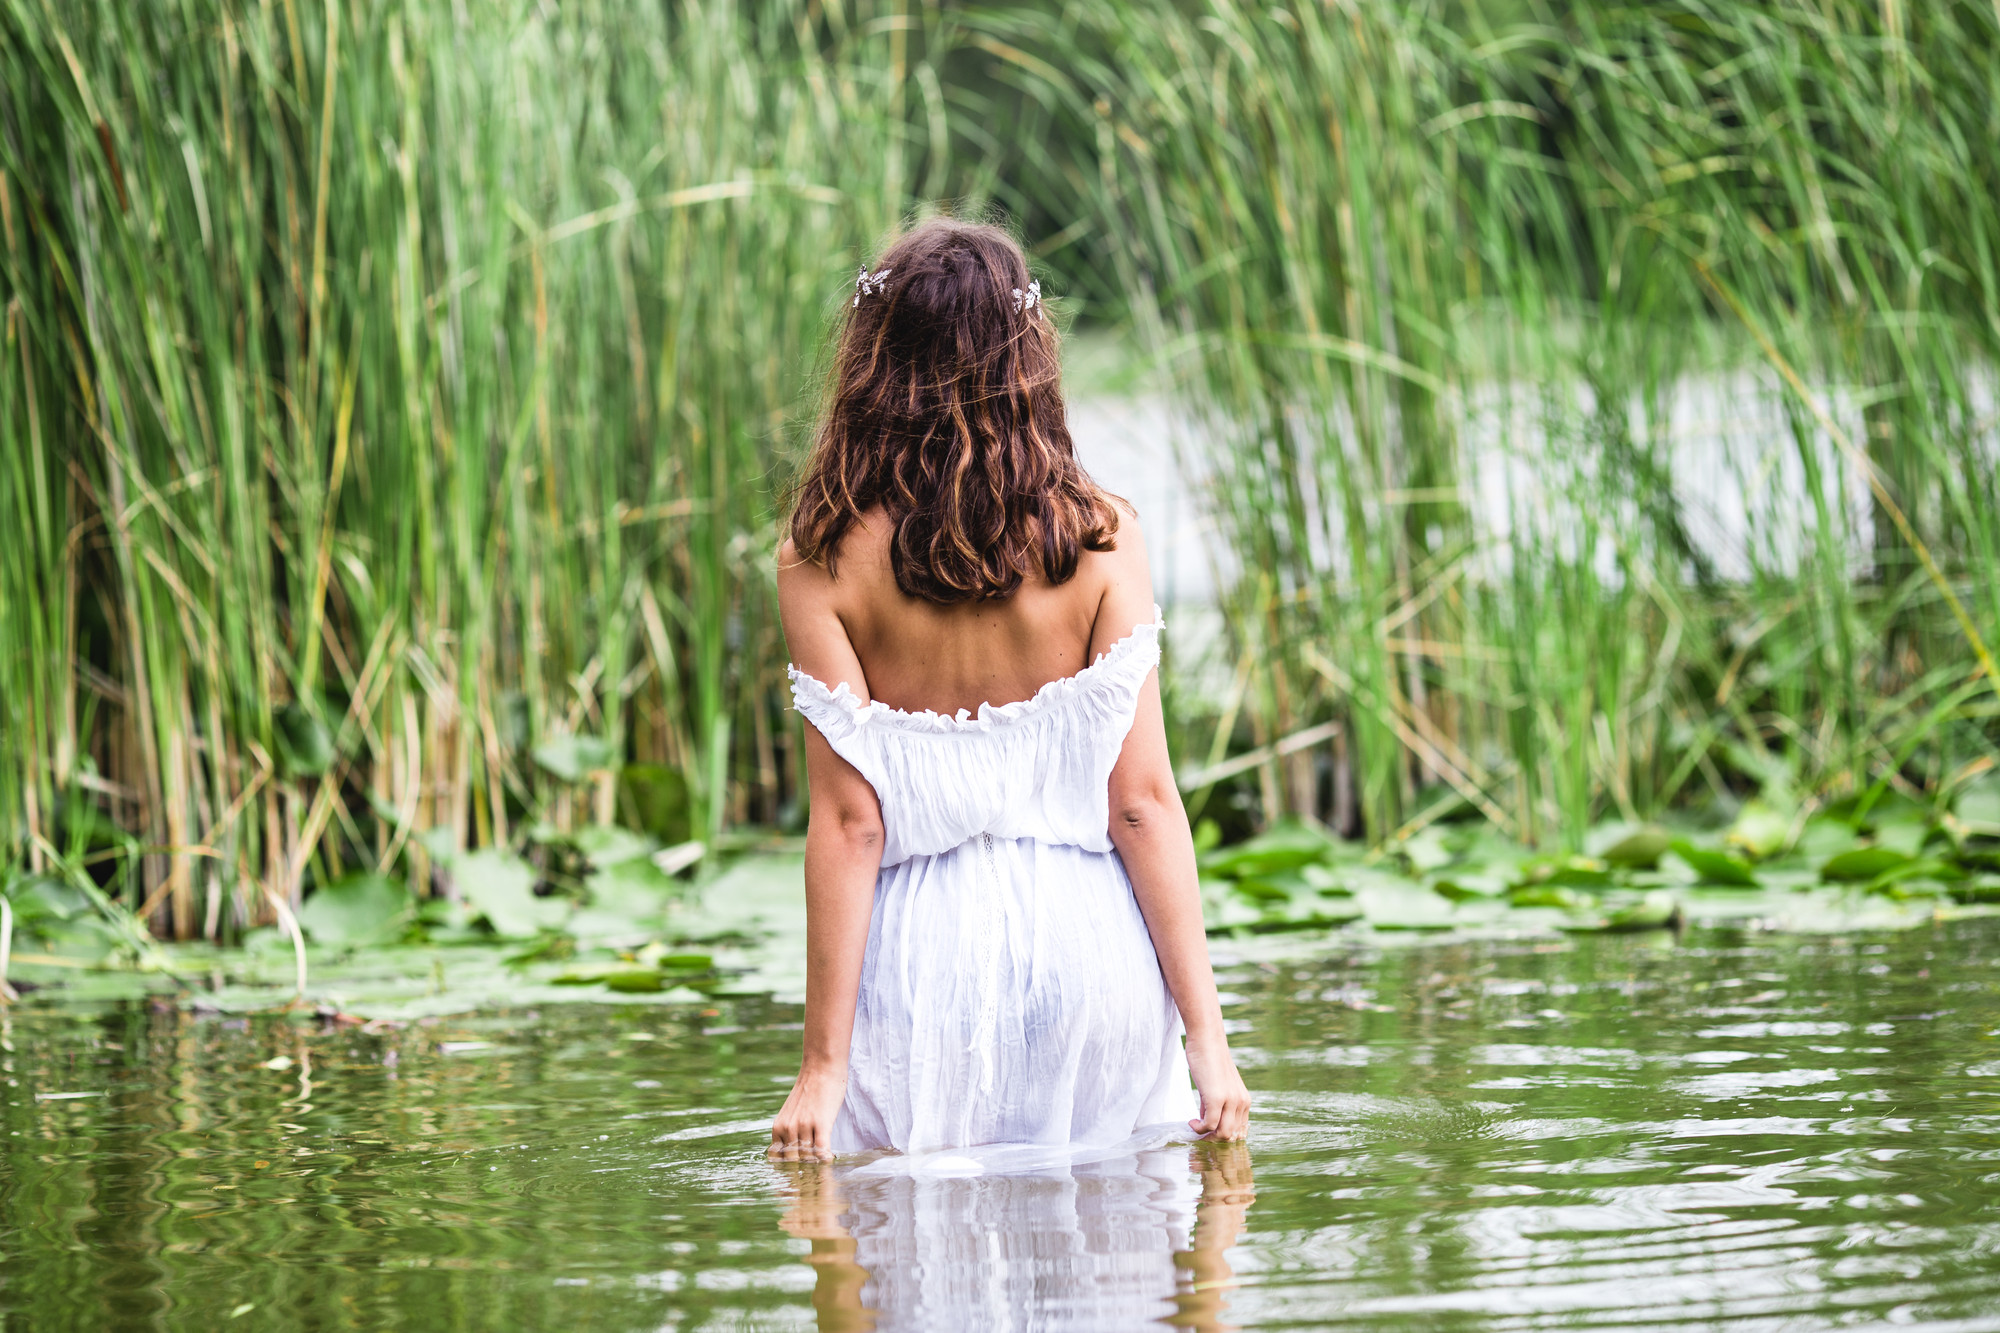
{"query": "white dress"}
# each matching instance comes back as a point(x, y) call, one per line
point(1010, 993)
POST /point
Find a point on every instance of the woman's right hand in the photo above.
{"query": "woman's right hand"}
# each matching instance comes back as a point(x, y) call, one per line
point(803, 1130)
point(1225, 1102)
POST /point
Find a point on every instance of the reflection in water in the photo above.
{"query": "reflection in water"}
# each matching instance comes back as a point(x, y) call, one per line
point(1735, 1131)
point(1142, 1234)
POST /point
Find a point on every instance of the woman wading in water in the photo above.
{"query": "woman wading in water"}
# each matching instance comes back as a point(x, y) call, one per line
point(1005, 934)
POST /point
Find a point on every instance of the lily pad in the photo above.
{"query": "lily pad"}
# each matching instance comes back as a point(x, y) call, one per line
point(608, 845)
point(1285, 846)
point(1654, 911)
point(356, 910)
point(501, 887)
point(1639, 850)
point(1715, 867)
point(1761, 829)
point(1978, 807)
point(1864, 864)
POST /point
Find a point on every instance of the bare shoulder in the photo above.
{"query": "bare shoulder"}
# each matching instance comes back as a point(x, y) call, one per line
point(1123, 581)
point(809, 599)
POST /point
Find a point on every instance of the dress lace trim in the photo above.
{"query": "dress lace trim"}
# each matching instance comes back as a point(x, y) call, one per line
point(1052, 695)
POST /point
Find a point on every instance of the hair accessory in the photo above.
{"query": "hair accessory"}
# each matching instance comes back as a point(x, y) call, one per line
point(1028, 300)
point(870, 284)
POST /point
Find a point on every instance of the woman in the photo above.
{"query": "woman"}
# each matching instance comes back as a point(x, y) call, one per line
point(1005, 933)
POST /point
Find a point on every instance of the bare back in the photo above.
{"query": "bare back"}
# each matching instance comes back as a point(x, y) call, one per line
point(914, 655)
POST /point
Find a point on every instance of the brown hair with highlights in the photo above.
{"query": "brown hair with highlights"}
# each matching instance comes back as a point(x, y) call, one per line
point(946, 410)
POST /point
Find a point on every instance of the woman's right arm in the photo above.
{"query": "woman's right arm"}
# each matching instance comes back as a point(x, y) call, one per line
point(843, 856)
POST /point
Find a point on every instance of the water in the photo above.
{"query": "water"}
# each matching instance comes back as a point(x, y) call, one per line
point(1739, 1130)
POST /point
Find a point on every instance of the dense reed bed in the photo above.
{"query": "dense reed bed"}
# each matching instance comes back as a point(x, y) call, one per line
point(396, 399)
point(393, 411)
point(1444, 284)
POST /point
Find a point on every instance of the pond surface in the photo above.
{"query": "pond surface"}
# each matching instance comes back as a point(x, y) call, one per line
point(1738, 1130)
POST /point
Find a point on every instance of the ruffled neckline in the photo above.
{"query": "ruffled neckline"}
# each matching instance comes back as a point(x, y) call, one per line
point(989, 716)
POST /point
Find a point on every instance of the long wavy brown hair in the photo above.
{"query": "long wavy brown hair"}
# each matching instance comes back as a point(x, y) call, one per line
point(946, 410)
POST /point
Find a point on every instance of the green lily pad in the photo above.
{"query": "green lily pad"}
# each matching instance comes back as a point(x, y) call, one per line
point(608, 845)
point(1715, 867)
point(1548, 895)
point(1864, 864)
point(500, 886)
point(1639, 850)
point(1760, 829)
point(1652, 912)
point(356, 910)
point(1285, 846)
point(1978, 807)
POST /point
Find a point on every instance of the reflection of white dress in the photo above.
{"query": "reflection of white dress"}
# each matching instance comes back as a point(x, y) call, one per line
point(1010, 993)
point(1087, 1247)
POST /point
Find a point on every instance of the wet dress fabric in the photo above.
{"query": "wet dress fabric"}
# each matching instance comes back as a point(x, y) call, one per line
point(1010, 994)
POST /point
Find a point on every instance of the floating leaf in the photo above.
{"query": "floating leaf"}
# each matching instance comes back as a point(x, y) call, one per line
point(1978, 889)
point(1284, 846)
point(356, 910)
point(1760, 829)
point(1864, 864)
point(501, 887)
point(1715, 867)
point(1823, 838)
point(1322, 879)
point(1978, 807)
point(1271, 888)
point(1548, 895)
point(47, 898)
point(1639, 850)
point(1904, 835)
point(606, 845)
point(1654, 911)
point(1897, 880)
point(1470, 887)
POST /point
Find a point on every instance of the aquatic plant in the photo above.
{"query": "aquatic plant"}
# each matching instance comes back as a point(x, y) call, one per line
point(393, 410)
point(1441, 283)
point(395, 401)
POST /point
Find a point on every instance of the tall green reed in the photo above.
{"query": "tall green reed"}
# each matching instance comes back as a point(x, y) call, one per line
point(395, 402)
point(1442, 279)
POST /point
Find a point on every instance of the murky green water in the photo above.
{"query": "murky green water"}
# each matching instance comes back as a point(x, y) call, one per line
point(1750, 1131)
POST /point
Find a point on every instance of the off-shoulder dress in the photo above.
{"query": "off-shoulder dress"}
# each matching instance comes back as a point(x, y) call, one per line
point(1010, 993)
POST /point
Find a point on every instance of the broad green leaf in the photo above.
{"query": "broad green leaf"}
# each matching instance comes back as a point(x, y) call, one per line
point(1864, 864)
point(47, 897)
point(1760, 829)
point(607, 845)
point(574, 758)
point(1904, 835)
point(1548, 895)
point(356, 910)
point(1639, 850)
point(1715, 867)
point(1824, 838)
point(501, 887)
point(1652, 912)
point(1978, 807)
